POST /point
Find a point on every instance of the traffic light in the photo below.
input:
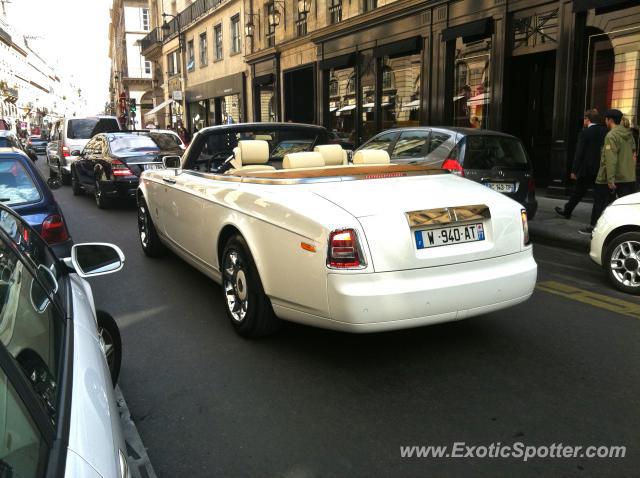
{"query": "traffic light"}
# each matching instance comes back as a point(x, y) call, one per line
point(132, 105)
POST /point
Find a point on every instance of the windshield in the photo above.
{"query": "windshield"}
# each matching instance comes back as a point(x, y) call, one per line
point(132, 143)
point(16, 185)
point(87, 128)
point(487, 152)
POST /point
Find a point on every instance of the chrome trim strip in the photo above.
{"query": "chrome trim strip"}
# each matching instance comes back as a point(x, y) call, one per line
point(448, 215)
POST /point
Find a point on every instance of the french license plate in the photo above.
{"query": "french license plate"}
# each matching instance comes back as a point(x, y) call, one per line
point(449, 235)
point(152, 166)
point(502, 187)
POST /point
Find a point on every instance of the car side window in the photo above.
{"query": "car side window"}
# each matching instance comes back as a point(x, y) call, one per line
point(21, 450)
point(382, 141)
point(31, 325)
point(411, 145)
point(436, 140)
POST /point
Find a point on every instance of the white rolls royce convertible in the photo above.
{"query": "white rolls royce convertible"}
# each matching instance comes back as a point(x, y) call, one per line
point(294, 230)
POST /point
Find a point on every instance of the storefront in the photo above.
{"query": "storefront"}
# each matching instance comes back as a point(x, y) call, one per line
point(265, 86)
point(220, 101)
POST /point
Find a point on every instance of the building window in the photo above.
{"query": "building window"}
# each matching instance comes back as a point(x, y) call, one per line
point(235, 34)
point(301, 24)
point(191, 56)
point(400, 105)
point(147, 67)
point(351, 85)
point(173, 63)
point(472, 87)
point(145, 19)
point(204, 57)
point(342, 104)
point(387, 77)
point(536, 32)
point(270, 31)
point(335, 11)
point(217, 35)
point(370, 5)
point(333, 86)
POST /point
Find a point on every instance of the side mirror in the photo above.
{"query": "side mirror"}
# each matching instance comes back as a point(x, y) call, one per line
point(76, 152)
point(54, 183)
point(96, 259)
point(171, 162)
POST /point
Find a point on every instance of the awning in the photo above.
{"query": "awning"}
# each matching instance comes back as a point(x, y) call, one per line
point(162, 105)
point(337, 62)
point(411, 105)
point(347, 108)
point(399, 48)
point(480, 99)
point(470, 32)
point(601, 6)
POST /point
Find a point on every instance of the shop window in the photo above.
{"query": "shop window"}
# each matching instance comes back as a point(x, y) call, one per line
point(400, 105)
point(536, 31)
point(217, 36)
point(370, 5)
point(342, 105)
point(235, 34)
point(231, 109)
point(335, 11)
point(472, 87)
point(191, 56)
point(267, 106)
point(204, 57)
point(198, 115)
point(613, 73)
point(333, 87)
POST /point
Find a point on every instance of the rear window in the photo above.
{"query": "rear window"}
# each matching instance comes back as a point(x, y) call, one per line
point(133, 143)
point(16, 185)
point(167, 141)
point(487, 152)
point(87, 128)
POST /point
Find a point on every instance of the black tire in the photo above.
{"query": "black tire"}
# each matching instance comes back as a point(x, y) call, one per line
point(149, 240)
point(101, 201)
point(109, 335)
point(75, 183)
point(254, 316)
point(65, 177)
point(621, 262)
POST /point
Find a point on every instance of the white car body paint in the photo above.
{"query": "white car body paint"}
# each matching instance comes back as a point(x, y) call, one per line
point(400, 287)
point(622, 212)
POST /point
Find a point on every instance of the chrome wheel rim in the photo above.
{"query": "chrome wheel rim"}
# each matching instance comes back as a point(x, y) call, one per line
point(235, 286)
point(143, 225)
point(106, 342)
point(625, 263)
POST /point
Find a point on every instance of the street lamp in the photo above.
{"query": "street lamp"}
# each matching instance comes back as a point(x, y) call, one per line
point(274, 15)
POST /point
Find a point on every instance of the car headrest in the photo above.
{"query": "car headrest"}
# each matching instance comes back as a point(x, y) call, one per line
point(253, 151)
point(302, 160)
point(371, 156)
point(333, 154)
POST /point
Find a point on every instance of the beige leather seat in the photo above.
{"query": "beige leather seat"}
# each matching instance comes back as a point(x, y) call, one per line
point(333, 154)
point(370, 157)
point(251, 155)
point(302, 160)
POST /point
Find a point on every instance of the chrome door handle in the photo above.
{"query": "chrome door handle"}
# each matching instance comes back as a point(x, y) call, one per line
point(169, 180)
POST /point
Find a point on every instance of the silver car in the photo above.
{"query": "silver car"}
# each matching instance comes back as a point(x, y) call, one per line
point(57, 406)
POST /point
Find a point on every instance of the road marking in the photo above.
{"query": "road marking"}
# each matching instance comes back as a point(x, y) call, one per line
point(612, 304)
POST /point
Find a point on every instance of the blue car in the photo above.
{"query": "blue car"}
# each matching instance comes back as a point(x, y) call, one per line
point(23, 188)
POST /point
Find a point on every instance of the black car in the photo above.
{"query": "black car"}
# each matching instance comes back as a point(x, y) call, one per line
point(23, 188)
point(111, 163)
point(37, 144)
point(497, 160)
point(10, 140)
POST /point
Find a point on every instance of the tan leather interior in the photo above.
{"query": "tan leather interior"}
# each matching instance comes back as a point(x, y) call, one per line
point(251, 155)
point(333, 154)
point(302, 160)
point(371, 156)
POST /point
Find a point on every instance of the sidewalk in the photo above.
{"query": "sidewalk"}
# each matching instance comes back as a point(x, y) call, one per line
point(549, 228)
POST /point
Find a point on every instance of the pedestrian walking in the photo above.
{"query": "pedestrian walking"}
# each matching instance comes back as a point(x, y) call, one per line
point(617, 172)
point(586, 161)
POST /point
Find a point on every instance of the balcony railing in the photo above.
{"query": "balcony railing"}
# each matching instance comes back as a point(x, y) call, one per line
point(154, 37)
point(190, 14)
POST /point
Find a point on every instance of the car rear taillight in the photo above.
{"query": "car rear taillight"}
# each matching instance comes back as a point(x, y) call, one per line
point(344, 250)
point(532, 185)
point(525, 226)
point(65, 151)
point(119, 169)
point(454, 166)
point(54, 230)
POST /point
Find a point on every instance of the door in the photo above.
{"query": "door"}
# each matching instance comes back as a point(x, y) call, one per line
point(529, 98)
point(84, 165)
point(299, 95)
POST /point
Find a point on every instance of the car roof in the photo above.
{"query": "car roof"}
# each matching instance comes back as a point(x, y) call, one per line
point(6, 132)
point(8, 151)
point(455, 129)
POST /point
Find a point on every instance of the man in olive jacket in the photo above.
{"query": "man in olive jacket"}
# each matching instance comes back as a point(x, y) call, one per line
point(617, 173)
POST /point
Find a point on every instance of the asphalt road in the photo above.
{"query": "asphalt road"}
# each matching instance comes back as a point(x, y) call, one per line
point(560, 368)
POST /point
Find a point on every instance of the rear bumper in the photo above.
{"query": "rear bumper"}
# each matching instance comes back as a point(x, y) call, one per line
point(403, 299)
point(121, 188)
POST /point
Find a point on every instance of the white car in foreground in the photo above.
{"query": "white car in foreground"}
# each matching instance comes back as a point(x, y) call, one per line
point(615, 243)
point(59, 359)
point(360, 247)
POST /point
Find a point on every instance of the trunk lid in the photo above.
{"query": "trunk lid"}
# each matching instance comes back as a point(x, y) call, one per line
point(139, 162)
point(381, 207)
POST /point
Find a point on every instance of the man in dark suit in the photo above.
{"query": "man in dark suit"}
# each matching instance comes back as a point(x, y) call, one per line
point(586, 161)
